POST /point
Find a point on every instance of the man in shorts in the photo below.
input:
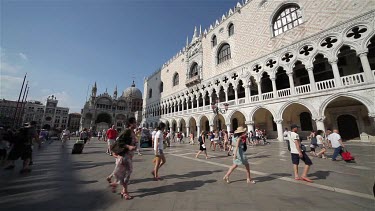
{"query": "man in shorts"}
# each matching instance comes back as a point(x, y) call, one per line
point(23, 147)
point(111, 138)
point(158, 150)
point(298, 154)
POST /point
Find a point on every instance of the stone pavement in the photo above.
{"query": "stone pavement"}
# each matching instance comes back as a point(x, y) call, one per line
point(62, 181)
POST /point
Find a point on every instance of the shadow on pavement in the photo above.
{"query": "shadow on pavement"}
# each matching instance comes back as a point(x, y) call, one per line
point(51, 185)
point(320, 174)
point(271, 177)
point(176, 187)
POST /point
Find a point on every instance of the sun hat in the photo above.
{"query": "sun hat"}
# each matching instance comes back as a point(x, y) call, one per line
point(240, 130)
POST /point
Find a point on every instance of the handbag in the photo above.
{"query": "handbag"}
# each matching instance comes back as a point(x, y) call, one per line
point(303, 148)
point(118, 148)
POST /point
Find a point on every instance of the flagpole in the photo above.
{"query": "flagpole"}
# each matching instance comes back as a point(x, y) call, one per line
point(18, 101)
point(23, 106)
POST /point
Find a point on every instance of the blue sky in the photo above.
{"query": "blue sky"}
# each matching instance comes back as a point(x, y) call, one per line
point(67, 45)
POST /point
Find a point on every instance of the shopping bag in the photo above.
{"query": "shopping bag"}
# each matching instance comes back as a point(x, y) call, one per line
point(346, 155)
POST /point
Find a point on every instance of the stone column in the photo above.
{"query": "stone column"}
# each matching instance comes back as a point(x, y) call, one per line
point(204, 100)
point(291, 83)
point(187, 131)
point(198, 131)
point(210, 93)
point(259, 91)
point(226, 95)
point(187, 104)
point(336, 73)
point(280, 133)
point(235, 95)
point(198, 102)
point(311, 78)
point(228, 127)
point(211, 127)
point(320, 123)
point(192, 103)
point(366, 67)
point(247, 93)
point(250, 126)
point(273, 79)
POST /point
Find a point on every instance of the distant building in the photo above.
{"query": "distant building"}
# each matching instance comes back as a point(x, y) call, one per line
point(73, 121)
point(7, 110)
point(47, 116)
point(104, 110)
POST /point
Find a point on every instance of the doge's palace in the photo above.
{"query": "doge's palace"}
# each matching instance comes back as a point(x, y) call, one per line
point(275, 63)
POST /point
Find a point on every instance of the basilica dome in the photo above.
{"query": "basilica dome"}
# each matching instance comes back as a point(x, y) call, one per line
point(132, 92)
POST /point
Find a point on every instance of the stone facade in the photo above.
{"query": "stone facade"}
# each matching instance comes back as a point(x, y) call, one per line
point(74, 121)
point(319, 73)
point(7, 112)
point(104, 110)
point(48, 116)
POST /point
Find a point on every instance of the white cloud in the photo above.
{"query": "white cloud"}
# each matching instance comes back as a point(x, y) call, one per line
point(8, 68)
point(23, 56)
point(10, 87)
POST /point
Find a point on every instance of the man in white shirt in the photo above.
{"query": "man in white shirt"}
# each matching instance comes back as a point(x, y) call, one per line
point(158, 150)
point(297, 154)
point(153, 136)
point(336, 143)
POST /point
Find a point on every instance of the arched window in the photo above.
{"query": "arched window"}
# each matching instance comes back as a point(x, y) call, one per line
point(223, 53)
point(176, 79)
point(231, 29)
point(305, 119)
point(288, 17)
point(150, 93)
point(161, 87)
point(194, 70)
point(214, 41)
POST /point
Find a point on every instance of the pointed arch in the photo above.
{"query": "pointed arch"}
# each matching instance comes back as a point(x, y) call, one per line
point(368, 103)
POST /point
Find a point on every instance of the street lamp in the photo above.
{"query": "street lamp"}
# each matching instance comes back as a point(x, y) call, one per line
point(217, 110)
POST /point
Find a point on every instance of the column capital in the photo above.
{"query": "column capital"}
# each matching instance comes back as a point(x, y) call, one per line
point(362, 53)
point(333, 61)
point(227, 125)
point(290, 74)
point(319, 118)
point(310, 68)
point(278, 121)
point(249, 122)
point(273, 78)
point(372, 115)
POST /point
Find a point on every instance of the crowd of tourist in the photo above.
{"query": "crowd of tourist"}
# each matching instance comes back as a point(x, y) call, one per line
point(123, 146)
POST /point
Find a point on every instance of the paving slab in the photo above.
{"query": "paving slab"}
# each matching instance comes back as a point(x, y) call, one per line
point(62, 181)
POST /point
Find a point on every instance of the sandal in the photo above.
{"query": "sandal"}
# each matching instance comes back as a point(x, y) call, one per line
point(250, 181)
point(126, 196)
point(226, 179)
point(306, 179)
point(297, 178)
point(113, 187)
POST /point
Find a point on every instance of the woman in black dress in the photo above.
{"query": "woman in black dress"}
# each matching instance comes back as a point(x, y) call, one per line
point(202, 145)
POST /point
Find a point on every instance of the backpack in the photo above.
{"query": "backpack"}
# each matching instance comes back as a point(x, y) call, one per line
point(200, 140)
point(314, 141)
point(21, 136)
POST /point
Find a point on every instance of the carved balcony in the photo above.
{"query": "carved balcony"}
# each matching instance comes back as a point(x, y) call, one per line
point(192, 80)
